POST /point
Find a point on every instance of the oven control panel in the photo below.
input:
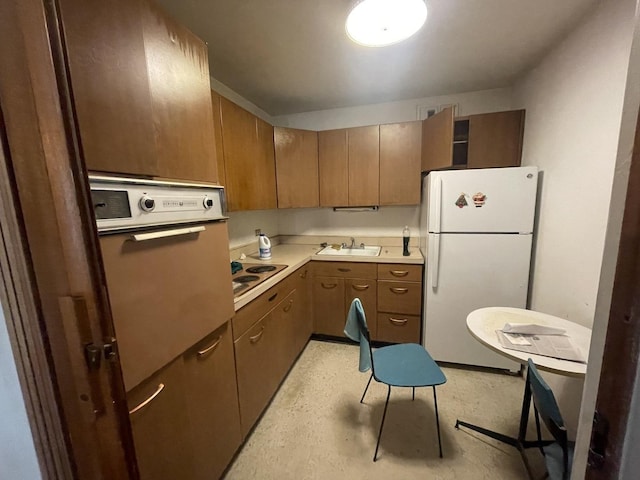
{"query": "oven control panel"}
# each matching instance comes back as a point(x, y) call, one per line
point(123, 203)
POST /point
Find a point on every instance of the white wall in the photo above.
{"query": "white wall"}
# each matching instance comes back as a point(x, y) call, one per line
point(242, 226)
point(403, 111)
point(17, 452)
point(574, 100)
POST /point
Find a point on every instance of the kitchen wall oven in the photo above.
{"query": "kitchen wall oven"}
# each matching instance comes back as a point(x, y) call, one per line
point(166, 258)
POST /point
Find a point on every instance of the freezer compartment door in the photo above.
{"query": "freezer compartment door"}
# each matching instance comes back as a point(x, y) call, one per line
point(466, 272)
point(499, 200)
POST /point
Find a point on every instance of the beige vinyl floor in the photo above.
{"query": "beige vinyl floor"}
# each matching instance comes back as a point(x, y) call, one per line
point(315, 427)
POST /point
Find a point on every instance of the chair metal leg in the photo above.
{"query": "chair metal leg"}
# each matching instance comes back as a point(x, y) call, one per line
point(366, 388)
point(413, 394)
point(384, 414)
point(435, 401)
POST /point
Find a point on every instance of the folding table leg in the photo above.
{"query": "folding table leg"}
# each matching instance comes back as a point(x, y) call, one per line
point(435, 401)
point(384, 414)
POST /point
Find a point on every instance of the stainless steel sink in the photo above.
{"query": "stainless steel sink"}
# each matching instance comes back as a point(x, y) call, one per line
point(366, 251)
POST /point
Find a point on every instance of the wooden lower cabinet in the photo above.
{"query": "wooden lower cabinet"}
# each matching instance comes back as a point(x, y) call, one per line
point(365, 290)
point(399, 303)
point(398, 328)
point(212, 401)
point(329, 306)
point(160, 424)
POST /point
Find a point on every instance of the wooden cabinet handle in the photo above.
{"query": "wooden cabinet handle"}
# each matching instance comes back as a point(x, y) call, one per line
point(257, 336)
point(288, 306)
point(399, 273)
point(148, 400)
point(360, 287)
point(398, 290)
point(273, 297)
point(303, 274)
point(344, 270)
point(398, 321)
point(210, 348)
point(328, 285)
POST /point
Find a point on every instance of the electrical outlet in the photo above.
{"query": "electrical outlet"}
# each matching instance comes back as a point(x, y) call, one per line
point(258, 232)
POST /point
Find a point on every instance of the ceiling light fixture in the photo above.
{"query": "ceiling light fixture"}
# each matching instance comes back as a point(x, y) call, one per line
point(377, 23)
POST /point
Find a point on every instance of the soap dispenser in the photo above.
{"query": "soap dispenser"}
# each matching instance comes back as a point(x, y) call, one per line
point(406, 234)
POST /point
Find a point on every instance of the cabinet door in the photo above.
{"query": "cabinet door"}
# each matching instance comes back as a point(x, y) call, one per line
point(400, 297)
point(333, 168)
point(400, 151)
point(105, 51)
point(240, 152)
point(257, 370)
point(495, 139)
point(217, 132)
point(283, 319)
point(328, 306)
point(160, 425)
point(437, 140)
point(365, 290)
point(398, 328)
point(212, 399)
point(264, 169)
point(296, 167)
point(364, 165)
point(178, 69)
point(304, 318)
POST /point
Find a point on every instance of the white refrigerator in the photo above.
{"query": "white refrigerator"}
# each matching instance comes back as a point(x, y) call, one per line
point(476, 230)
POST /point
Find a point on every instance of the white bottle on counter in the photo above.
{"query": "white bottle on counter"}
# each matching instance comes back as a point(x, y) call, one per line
point(264, 246)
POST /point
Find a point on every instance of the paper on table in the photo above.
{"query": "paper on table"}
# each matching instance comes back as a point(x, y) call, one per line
point(555, 346)
point(532, 329)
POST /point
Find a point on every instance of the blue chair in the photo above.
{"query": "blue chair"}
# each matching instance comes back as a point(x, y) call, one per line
point(558, 456)
point(402, 365)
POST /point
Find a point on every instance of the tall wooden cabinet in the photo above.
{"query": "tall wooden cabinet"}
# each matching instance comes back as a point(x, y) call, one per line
point(400, 157)
point(486, 140)
point(333, 168)
point(296, 167)
point(249, 164)
point(140, 83)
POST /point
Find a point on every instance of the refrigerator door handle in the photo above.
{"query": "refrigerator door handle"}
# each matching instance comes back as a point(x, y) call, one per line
point(433, 259)
point(437, 197)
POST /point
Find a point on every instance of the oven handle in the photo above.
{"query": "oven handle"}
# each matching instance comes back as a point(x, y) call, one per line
point(141, 237)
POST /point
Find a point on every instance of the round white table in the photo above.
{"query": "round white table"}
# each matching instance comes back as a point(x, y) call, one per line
point(484, 322)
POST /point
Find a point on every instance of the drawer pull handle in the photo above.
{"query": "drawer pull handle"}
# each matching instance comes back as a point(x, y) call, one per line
point(344, 270)
point(399, 273)
point(360, 287)
point(329, 285)
point(303, 274)
point(148, 400)
point(257, 336)
point(210, 348)
point(399, 291)
point(288, 306)
point(273, 297)
point(398, 321)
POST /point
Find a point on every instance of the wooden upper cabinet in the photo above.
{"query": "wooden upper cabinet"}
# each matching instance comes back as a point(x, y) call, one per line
point(495, 139)
point(178, 69)
point(263, 191)
point(364, 165)
point(333, 168)
point(249, 163)
point(400, 156)
point(107, 65)
point(296, 167)
point(437, 140)
point(217, 132)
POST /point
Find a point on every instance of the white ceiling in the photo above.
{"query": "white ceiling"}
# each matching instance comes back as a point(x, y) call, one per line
point(289, 56)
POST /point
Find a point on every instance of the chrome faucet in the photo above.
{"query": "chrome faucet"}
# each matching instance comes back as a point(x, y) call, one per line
point(353, 243)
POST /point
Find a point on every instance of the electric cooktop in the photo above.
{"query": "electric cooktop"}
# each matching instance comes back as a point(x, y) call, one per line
point(252, 275)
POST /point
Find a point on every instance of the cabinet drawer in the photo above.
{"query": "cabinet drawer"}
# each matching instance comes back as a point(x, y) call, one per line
point(345, 269)
point(258, 308)
point(400, 272)
point(398, 328)
point(399, 297)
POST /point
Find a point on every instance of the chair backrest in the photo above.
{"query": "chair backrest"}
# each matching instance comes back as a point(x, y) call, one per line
point(364, 331)
point(547, 408)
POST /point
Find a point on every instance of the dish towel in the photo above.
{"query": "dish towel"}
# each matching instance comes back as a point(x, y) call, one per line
point(352, 331)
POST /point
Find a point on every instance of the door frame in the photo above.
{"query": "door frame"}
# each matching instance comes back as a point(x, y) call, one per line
point(55, 298)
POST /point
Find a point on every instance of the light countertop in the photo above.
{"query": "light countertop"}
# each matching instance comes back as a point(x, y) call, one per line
point(296, 256)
